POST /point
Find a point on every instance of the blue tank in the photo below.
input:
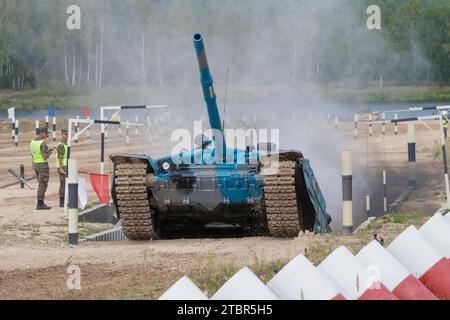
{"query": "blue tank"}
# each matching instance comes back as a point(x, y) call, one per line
point(262, 190)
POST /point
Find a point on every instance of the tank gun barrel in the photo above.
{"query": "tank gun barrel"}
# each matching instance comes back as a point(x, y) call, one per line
point(207, 83)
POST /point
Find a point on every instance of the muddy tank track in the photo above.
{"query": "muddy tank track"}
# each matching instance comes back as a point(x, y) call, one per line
point(281, 201)
point(132, 200)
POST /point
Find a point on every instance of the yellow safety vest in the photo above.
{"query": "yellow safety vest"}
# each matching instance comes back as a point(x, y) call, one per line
point(65, 155)
point(36, 153)
point(445, 123)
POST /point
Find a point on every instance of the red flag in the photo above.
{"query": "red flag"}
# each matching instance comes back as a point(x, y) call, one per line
point(86, 112)
point(100, 184)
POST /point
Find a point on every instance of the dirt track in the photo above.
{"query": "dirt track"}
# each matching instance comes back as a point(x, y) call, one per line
point(34, 255)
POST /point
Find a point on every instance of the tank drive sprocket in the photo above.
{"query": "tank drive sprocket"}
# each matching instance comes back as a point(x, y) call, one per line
point(132, 201)
point(283, 209)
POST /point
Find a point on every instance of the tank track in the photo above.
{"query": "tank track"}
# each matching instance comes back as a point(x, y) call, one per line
point(280, 199)
point(132, 200)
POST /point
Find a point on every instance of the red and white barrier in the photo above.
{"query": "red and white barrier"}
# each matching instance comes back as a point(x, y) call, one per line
point(437, 232)
point(245, 285)
point(393, 274)
point(360, 283)
point(184, 289)
point(300, 280)
point(423, 260)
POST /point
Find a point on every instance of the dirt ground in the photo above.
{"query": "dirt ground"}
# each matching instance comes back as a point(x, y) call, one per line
point(34, 256)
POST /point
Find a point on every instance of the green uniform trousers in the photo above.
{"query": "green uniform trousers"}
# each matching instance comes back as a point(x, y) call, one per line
point(42, 171)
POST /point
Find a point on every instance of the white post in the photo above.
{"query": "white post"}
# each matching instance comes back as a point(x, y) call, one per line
point(88, 132)
point(356, 126)
point(73, 202)
point(396, 124)
point(412, 155)
point(47, 122)
point(77, 129)
point(336, 122)
point(13, 129)
point(136, 130)
point(69, 147)
point(127, 127)
point(444, 158)
point(37, 127)
point(368, 205)
point(105, 128)
point(16, 133)
point(370, 125)
point(385, 203)
point(54, 129)
point(383, 128)
point(347, 191)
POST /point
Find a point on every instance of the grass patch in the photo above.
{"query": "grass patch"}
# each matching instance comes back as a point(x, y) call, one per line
point(86, 229)
point(414, 218)
point(210, 278)
point(390, 94)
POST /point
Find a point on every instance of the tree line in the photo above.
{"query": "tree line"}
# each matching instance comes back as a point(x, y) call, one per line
point(148, 42)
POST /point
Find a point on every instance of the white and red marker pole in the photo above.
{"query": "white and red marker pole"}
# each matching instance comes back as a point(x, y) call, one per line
point(420, 257)
point(393, 274)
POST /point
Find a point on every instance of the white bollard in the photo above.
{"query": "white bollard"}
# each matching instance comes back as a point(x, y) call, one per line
point(368, 205)
point(343, 266)
point(54, 129)
point(88, 131)
point(37, 125)
point(347, 191)
point(300, 280)
point(355, 132)
point(184, 290)
point(72, 182)
point(423, 260)
point(127, 126)
point(370, 125)
point(77, 129)
point(437, 232)
point(392, 273)
point(245, 285)
point(412, 167)
point(385, 201)
point(396, 124)
point(136, 129)
point(16, 133)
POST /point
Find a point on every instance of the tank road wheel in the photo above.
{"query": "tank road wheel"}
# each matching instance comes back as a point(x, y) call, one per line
point(133, 203)
point(282, 205)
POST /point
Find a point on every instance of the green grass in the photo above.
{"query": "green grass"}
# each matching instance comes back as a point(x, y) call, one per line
point(86, 230)
point(391, 94)
point(210, 278)
point(63, 98)
point(413, 218)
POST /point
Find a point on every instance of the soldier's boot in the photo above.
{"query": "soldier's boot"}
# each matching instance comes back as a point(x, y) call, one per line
point(42, 206)
point(61, 202)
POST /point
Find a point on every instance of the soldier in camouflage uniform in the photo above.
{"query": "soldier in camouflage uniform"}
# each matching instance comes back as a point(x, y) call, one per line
point(61, 165)
point(40, 154)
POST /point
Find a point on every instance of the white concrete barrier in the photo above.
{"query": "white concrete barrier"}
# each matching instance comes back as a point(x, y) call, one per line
point(437, 232)
point(393, 274)
point(300, 280)
point(423, 260)
point(358, 281)
point(184, 289)
point(245, 285)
